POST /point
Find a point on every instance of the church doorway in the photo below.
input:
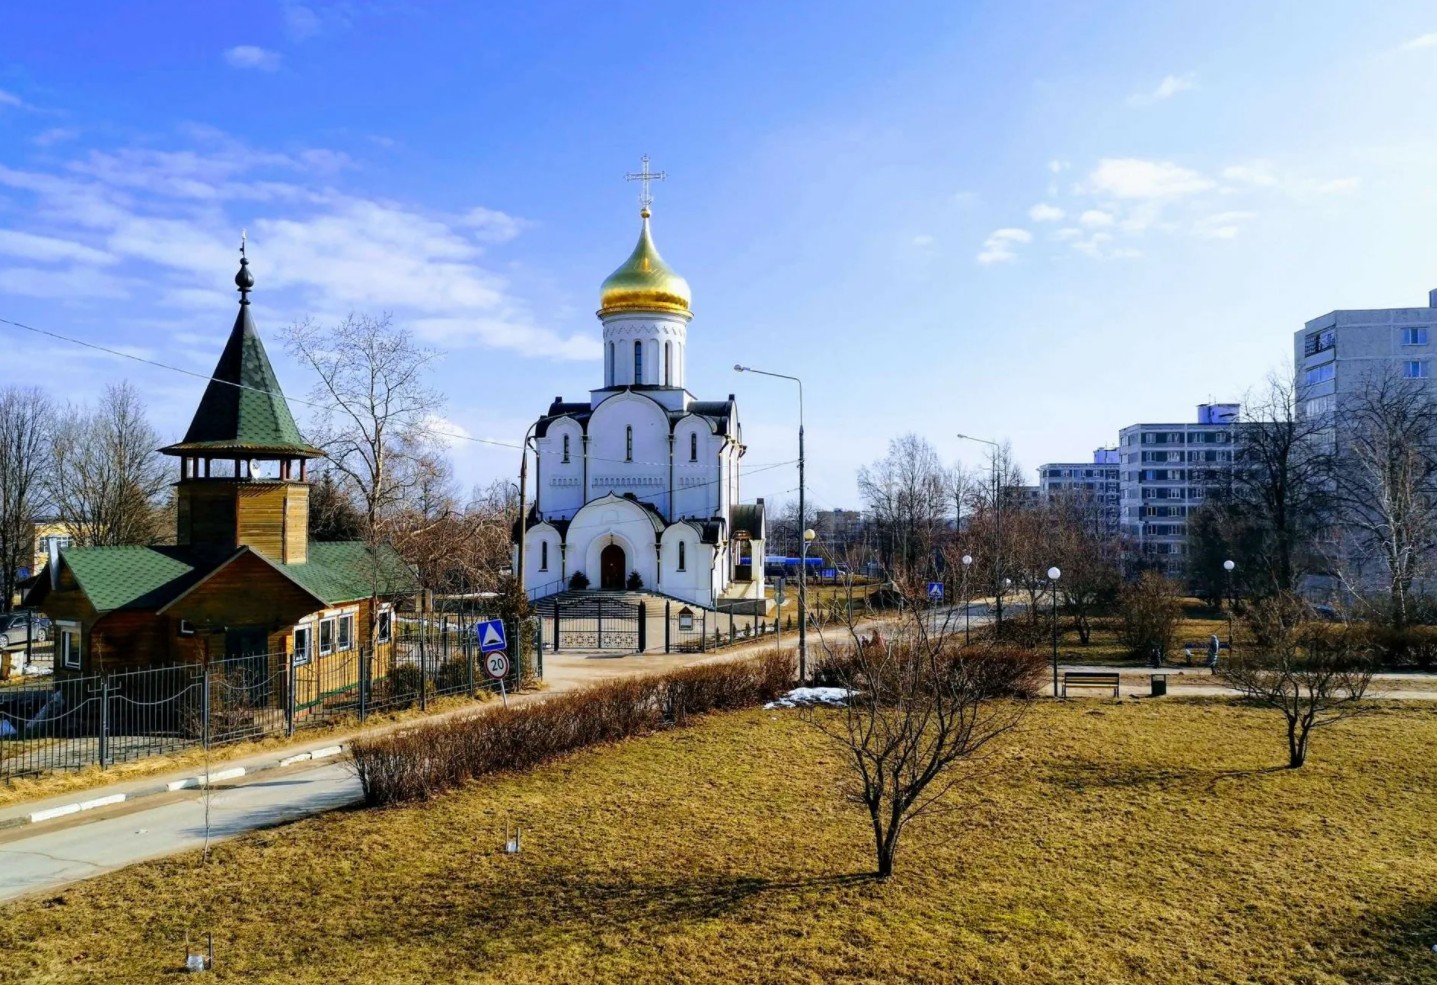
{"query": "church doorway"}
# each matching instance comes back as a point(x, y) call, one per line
point(612, 568)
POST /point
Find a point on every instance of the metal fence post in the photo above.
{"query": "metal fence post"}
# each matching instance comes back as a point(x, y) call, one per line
point(643, 627)
point(289, 701)
point(365, 668)
point(423, 667)
point(704, 632)
point(30, 640)
point(205, 712)
point(539, 647)
point(556, 625)
point(104, 720)
point(468, 649)
point(730, 624)
point(668, 627)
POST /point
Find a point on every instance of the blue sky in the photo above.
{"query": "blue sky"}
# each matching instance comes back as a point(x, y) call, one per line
point(1032, 221)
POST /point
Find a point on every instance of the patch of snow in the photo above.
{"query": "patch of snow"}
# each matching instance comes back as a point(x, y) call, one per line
point(809, 697)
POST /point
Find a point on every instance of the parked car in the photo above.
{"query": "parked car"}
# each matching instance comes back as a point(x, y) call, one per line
point(15, 625)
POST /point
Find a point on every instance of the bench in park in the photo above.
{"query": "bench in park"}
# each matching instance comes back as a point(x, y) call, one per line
point(1088, 678)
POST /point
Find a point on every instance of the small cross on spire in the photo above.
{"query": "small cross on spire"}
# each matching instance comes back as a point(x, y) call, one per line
point(645, 176)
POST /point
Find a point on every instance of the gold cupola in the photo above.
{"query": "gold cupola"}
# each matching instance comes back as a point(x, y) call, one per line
point(644, 282)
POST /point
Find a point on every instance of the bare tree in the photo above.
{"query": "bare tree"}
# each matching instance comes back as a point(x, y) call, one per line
point(922, 713)
point(1149, 611)
point(1387, 490)
point(107, 480)
point(1313, 676)
point(906, 495)
point(988, 531)
point(26, 422)
point(376, 431)
point(1090, 560)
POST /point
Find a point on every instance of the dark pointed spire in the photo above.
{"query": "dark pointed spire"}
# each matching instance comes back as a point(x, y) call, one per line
point(243, 410)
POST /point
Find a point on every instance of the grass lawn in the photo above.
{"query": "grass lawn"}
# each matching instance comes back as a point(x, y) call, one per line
point(1119, 842)
point(1198, 623)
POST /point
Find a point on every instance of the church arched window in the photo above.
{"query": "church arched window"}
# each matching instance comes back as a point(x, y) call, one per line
point(682, 555)
point(668, 364)
point(612, 365)
point(638, 362)
point(629, 443)
point(543, 555)
point(694, 447)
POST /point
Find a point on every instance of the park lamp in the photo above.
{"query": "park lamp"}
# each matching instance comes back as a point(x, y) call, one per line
point(1229, 565)
point(1053, 575)
point(967, 560)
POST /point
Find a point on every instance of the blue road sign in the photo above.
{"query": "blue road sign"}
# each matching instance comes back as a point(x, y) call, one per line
point(490, 634)
point(935, 590)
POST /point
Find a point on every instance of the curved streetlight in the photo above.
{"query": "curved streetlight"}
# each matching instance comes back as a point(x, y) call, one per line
point(1228, 566)
point(808, 535)
point(1053, 575)
point(967, 560)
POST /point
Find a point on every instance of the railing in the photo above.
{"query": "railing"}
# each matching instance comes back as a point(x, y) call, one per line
point(102, 719)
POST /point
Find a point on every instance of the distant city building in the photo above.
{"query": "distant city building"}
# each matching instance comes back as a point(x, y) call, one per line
point(1096, 481)
point(1334, 353)
point(840, 528)
point(1166, 473)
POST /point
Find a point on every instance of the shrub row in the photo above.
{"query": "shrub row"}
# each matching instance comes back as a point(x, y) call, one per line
point(419, 763)
point(1000, 671)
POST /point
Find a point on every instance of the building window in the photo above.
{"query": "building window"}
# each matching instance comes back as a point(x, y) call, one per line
point(326, 636)
point(668, 364)
point(638, 362)
point(384, 631)
point(1320, 374)
point(1415, 369)
point(1414, 336)
point(629, 443)
point(566, 449)
point(345, 626)
point(1319, 342)
point(543, 555)
point(694, 447)
point(302, 643)
point(69, 644)
point(683, 555)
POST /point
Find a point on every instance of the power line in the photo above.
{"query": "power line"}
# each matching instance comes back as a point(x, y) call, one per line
point(326, 407)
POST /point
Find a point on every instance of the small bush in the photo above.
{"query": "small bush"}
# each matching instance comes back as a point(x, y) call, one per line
point(578, 581)
point(1149, 611)
point(1001, 671)
point(635, 582)
point(419, 763)
point(1412, 646)
point(403, 685)
point(454, 675)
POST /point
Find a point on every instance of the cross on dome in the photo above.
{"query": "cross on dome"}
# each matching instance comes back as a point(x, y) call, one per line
point(645, 198)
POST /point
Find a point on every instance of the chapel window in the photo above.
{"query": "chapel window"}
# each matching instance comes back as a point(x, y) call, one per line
point(566, 449)
point(668, 364)
point(638, 362)
point(683, 556)
point(694, 447)
point(543, 555)
point(629, 443)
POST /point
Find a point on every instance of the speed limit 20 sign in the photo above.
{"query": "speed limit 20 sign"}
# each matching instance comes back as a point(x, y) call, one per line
point(496, 664)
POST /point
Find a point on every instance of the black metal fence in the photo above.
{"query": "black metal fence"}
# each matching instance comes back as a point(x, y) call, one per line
point(603, 622)
point(74, 722)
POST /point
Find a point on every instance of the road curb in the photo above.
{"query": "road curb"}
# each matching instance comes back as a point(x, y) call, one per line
point(84, 803)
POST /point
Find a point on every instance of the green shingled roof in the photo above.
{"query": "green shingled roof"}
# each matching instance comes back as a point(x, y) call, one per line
point(132, 577)
point(147, 578)
point(243, 408)
point(347, 570)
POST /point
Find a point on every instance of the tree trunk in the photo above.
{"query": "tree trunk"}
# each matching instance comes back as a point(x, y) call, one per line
point(1296, 745)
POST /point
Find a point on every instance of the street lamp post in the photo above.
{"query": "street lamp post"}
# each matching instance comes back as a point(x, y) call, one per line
point(808, 535)
point(997, 526)
point(967, 560)
point(1053, 575)
point(523, 486)
point(1227, 566)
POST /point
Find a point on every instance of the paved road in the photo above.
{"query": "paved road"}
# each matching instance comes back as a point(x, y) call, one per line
point(53, 857)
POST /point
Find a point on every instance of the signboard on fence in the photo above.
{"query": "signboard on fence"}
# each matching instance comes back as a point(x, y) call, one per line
point(496, 664)
point(490, 634)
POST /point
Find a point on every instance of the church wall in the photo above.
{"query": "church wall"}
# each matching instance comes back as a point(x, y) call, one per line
point(538, 576)
point(561, 485)
point(647, 475)
point(694, 582)
point(697, 485)
point(625, 524)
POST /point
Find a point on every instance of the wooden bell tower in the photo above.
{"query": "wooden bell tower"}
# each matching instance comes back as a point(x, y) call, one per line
point(243, 463)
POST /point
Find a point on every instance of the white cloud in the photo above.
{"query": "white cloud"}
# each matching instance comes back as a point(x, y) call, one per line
point(1222, 225)
point(965, 199)
point(1096, 218)
point(1043, 212)
point(1264, 174)
point(1056, 166)
point(924, 241)
point(1253, 173)
point(1170, 86)
point(491, 225)
point(1422, 41)
point(300, 22)
point(47, 249)
point(1131, 177)
point(252, 56)
point(1067, 233)
point(10, 99)
point(54, 135)
point(1000, 244)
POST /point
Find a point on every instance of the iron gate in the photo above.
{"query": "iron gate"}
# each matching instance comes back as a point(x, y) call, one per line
point(598, 623)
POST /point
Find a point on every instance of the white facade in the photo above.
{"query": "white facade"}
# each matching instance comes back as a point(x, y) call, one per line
point(643, 479)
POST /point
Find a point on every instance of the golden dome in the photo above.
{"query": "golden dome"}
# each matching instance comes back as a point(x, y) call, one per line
point(644, 282)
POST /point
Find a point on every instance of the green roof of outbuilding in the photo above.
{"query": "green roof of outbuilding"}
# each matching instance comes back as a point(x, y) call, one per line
point(148, 578)
point(132, 577)
point(347, 570)
point(243, 408)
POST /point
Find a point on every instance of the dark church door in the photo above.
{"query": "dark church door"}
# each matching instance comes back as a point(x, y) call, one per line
point(611, 568)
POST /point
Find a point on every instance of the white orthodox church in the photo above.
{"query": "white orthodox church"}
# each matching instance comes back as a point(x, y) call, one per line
point(639, 484)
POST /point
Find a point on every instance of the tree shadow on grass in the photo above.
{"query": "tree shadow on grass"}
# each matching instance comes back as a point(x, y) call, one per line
point(1393, 945)
point(1077, 776)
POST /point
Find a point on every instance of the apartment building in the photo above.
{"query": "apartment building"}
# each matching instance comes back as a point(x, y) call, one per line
point(1166, 472)
point(1097, 480)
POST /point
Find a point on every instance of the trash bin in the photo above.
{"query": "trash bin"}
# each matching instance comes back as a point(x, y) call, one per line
point(1160, 685)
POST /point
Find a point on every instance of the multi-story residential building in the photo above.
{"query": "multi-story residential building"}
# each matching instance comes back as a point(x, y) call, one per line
point(840, 528)
point(1096, 481)
point(1166, 473)
point(1334, 353)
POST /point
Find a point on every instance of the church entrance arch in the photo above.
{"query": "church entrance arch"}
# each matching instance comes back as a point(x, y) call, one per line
point(613, 568)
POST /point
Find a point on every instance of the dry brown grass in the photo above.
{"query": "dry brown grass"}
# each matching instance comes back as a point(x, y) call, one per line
point(1123, 842)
